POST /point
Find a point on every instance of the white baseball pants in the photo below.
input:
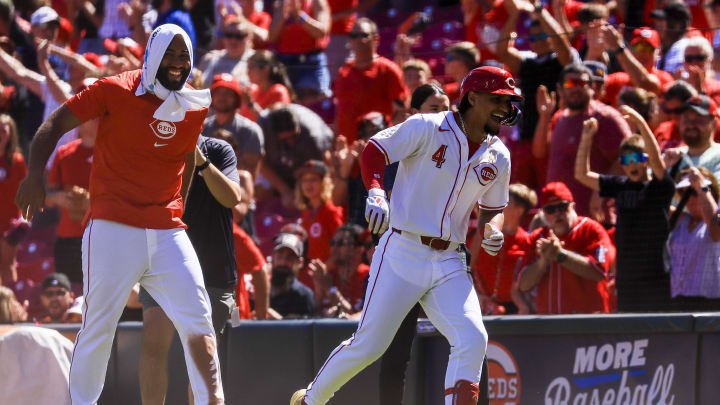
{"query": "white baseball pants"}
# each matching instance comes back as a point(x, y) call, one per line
point(115, 257)
point(403, 272)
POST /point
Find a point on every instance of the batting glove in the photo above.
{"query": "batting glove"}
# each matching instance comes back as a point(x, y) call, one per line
point(493, 240)
point(377, 211)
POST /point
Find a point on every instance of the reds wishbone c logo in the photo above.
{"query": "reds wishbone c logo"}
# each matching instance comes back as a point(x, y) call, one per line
point(163, 129)
point(510, 82)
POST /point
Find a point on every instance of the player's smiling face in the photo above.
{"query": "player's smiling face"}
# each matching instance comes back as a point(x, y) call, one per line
point(490, 110)
point(174, 68)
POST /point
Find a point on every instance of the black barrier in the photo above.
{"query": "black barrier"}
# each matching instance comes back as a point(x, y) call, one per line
point(558, 360)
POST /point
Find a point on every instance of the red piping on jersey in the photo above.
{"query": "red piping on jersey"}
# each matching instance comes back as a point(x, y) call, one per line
point(84, 318)
point(491, 208)
point(442, 219)
point(352, 339)
point(372, 165)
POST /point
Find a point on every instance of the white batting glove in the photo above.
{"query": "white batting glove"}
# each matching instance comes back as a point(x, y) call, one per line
point(492, 240)
point(377, 211)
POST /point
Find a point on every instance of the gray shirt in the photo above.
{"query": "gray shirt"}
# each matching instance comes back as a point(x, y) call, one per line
point(247, 134)
point(710, 159)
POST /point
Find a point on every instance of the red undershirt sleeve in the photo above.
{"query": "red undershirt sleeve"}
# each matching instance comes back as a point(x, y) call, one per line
point(372, 166)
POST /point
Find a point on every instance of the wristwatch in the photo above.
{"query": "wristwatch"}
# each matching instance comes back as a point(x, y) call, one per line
point(705, 189)
point(561, 257)
point(203, 166)
point(621, 48)
point(538, 7)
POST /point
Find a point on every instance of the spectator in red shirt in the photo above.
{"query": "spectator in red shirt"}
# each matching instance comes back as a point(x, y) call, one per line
point(494, 275)
point(569, 258)
point(339, 282)
point(368, 82)
point(68, 185)
point(460, 59)
point(697, 67)
point(249, 260)
point(257, 21)
point(299, 31)
point(638, 64)
point(343, 15)
point(271, 84)
point(574, 86)
point(671, 109)
point(484, 20)
point(320, 217)
point(12, 171)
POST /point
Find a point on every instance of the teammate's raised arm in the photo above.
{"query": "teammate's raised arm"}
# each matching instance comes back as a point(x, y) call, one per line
point(31, 194)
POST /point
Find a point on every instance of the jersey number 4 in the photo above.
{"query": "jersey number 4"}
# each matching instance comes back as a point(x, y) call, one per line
point(439, 156)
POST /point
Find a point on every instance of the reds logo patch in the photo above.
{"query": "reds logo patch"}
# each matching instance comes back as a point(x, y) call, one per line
point(485, 172)
point(163, 129)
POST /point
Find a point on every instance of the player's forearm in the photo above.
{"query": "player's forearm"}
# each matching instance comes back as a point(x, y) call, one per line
point(261, 284)
point(580, 266)
point(227, 192)
point(494, 218)
point(47, 136)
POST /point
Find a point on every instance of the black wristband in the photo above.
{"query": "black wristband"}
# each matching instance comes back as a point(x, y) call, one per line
point(705, 189)
point(561, 257)
point(203, 166)
point(621, 48)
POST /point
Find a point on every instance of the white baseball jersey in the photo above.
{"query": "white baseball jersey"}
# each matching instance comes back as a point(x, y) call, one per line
point(434, 165)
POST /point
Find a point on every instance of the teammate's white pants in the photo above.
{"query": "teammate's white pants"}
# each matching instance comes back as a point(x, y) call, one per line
point(115, 257)
point(403, 272)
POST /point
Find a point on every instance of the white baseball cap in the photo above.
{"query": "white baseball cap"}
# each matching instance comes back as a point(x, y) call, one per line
point(290, 241)
point(44, 15)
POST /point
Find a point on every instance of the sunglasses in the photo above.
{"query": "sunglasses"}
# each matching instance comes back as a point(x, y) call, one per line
point(235, 35)
point(54, 293)
point(643, 47)
point(634, 157)
point(695, 58)
point(538, 37)
point(358, 35)
point(570, 83)
point(551, 209)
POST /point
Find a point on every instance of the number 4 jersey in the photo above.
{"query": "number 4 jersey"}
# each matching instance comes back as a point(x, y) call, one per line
point(438, 184)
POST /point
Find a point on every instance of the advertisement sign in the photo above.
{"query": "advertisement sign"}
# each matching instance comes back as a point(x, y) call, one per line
point(592, 370)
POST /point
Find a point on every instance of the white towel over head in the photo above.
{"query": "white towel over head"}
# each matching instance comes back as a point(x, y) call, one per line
point(177, 102)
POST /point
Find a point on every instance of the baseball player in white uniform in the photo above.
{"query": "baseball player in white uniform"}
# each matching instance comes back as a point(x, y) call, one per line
point(449, 163)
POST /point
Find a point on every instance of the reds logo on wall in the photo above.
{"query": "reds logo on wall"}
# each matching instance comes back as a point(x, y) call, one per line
point(163, 129)
point(504, 384)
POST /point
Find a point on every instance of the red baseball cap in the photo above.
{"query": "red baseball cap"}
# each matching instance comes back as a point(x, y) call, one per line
point(555, 192)
point(702, 105)
point(227, 81)
point(647, 35)
point(490, 79)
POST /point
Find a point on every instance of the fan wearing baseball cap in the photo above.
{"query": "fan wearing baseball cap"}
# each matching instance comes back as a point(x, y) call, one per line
point(697, 126)
point(637, 60)
point(451, 164)
point(570, 263)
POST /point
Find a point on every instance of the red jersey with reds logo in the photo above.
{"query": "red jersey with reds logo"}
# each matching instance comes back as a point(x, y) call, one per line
point(496, 273)
point(138, 160)
point(560, 291)
point(359, 92)
point(71, 167)
point(248, 259)
point(10, 177)
point(321, 226)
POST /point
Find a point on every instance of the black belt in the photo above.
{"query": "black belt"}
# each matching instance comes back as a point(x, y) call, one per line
point(431, 241)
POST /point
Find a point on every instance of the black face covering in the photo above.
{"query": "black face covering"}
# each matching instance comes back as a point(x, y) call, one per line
point(162, 77)
point(281, 276)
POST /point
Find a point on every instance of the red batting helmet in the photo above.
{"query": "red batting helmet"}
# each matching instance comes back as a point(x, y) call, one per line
point(490, 79)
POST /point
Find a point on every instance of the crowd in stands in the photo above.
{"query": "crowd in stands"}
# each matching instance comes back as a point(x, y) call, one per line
point(615, 166)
